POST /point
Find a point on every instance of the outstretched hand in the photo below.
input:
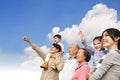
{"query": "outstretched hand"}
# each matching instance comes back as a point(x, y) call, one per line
point(81, 35)
point(25, 38)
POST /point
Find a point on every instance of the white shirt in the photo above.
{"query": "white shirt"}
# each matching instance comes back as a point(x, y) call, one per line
point(69, 68)
point(62, 46)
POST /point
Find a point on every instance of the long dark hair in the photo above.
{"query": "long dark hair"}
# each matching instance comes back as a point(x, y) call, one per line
point(113, 33)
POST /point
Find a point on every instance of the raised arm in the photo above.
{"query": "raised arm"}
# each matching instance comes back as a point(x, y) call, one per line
point(81, 36)
point(89, 48)
point(39, 52)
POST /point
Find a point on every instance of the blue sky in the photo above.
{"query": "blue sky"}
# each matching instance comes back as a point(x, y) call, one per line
point(37, 18)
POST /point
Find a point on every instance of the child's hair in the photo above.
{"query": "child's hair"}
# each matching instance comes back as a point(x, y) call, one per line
point(97, 38)
point(57, 46)
point(57, 35)
point(113, 33)
point(86, 54)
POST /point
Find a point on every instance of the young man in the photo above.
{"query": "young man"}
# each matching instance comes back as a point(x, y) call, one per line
point(57, 39)
point(55, 58)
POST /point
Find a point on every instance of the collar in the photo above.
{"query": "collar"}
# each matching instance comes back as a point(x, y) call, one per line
point(52, 57)
point(72, 58)
point(81, 64)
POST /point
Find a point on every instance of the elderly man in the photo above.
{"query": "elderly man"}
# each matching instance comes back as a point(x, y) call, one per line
point(70, 64)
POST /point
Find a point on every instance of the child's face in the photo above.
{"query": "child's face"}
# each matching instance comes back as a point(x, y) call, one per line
point(56, 40)
point(97, 44)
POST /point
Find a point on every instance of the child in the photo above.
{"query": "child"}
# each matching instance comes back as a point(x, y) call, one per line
point(110, 66)
point(98, 51)
point(57, 39)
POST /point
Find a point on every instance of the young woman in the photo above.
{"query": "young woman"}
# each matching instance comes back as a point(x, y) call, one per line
point(110, 66)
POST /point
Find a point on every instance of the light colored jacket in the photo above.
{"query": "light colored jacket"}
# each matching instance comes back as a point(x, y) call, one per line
point(49, 74)
point(69, 68)
point(109, 69)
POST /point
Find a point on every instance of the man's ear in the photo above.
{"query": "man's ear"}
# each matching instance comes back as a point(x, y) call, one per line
point(57, 50)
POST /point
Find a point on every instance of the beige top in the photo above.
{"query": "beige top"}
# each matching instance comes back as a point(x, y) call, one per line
point(49, 74)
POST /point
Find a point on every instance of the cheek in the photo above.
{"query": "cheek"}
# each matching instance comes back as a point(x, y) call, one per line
point(78, 58)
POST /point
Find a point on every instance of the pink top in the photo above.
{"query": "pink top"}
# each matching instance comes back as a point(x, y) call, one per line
point(81, 72)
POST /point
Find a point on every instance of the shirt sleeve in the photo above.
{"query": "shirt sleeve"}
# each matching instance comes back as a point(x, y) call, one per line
point(107, 63)
point(60, 65)
point(38, 51)
point(89, 48)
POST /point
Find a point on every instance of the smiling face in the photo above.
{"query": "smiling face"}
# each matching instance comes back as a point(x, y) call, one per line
point(53, 50)
point(97, 44)
point(108, 42)
point(73, 49)
point(80, 56)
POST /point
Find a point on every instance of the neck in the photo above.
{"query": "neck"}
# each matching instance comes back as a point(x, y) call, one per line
point(114, 47)
point(73, 56)
point(53, 55)
point(82, 62)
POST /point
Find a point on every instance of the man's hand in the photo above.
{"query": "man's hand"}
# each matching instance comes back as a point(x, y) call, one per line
point(25, 38)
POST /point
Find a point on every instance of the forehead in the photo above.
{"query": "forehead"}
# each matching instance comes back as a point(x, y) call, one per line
point(73, 45)
point(81, 51)
point(105, 33)
point(56, 37)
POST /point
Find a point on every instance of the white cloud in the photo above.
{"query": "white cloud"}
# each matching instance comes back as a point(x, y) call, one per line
point(15, 74)
point(95, 21)
point(98, 19)
point(55, 30)
point(33, 61)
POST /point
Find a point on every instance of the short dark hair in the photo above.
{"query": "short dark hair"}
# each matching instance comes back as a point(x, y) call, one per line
point(86, 54)
point(57, 35)
point(57, 46)
point(98, 38)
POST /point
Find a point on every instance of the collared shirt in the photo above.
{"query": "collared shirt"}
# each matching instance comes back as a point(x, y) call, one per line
point(62, 46)
point(81, 72)
point(69, 68)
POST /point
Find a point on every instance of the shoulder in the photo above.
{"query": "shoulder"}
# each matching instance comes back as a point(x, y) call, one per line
point(112, 55)
point(60, 44)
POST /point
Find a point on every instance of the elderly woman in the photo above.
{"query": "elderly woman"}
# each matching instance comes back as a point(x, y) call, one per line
point(83, 69)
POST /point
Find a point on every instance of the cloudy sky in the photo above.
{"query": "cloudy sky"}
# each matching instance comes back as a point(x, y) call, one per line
point(40, 20)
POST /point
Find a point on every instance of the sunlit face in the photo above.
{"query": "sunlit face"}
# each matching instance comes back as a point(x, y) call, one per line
point(97, 44)
point(56, 40)
point(107, 40)
point(73, 49)
point(80, 56)
point(53, 50)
